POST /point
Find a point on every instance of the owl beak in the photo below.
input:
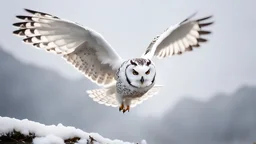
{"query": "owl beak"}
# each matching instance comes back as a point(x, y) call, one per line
point(142, 80)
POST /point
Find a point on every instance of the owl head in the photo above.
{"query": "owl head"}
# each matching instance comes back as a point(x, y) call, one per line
point(140, 72)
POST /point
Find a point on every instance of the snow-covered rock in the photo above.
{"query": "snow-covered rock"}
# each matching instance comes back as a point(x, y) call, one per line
point(49, 134)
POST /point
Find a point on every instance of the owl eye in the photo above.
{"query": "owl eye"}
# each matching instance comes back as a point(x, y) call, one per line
point(134, 72)
point(147, 72)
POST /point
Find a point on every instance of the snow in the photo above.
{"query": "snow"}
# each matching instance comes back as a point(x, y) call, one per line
point(143, 142)
point(47, 134)
point(49, 139)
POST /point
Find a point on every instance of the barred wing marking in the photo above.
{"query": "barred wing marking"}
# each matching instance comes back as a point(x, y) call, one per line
point(104, 96)
point(82, 47)
point(179, 38)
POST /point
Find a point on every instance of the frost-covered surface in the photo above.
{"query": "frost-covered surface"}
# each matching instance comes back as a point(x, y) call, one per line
point(49, 134)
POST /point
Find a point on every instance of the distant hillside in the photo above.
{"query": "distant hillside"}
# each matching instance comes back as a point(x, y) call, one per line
point(43, 95)
point(225, 119)
point(33, 91)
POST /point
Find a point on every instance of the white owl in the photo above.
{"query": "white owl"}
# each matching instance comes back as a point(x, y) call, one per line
point(125, 83)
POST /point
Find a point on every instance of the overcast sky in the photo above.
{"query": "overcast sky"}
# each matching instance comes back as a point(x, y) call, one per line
point(224, 63)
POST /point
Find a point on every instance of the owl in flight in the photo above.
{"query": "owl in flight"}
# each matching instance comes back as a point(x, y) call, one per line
point(125, 83)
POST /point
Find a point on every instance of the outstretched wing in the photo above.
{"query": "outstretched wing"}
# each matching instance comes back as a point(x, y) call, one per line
point(107, 96)
point(84, 48)
point(179, 38)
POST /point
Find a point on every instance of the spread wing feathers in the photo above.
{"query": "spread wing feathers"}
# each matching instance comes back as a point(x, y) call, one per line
point(179, 38)
point(107, 96)
point(84, 59)
point(84, 48)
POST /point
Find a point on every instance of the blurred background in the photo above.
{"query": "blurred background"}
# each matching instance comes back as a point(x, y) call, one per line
point(208, 94)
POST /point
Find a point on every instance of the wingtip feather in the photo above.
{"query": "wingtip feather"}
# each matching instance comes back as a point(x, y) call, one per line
point(204, 18)
point(17, 32)
point(22, 17)
point(189, 17)
point(29, 10)
point(16, 24)
point(40, 12)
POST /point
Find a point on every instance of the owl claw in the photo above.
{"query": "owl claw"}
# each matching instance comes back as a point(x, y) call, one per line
point(121, 107)
point(127, 109)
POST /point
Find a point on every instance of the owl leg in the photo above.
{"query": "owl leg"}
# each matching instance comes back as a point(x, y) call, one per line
point(120, 101)
point(121, 107)
point(127, 109)
point(127, 102)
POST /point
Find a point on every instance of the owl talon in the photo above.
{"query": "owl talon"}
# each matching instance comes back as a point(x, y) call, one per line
point(127, 109)
point(121, 107)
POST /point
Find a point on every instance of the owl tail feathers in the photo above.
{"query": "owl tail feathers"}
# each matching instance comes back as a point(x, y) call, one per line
point(158, 86)
point(106, 96)
point(153, 91)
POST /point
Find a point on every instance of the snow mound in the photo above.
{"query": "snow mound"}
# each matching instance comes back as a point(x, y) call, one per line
point(51, 134)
